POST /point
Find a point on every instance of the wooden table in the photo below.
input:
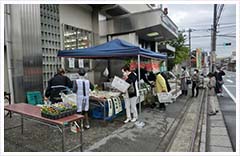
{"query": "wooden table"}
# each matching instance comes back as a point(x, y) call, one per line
point(34, 113)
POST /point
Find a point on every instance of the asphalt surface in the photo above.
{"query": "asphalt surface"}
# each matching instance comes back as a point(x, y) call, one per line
point(151, 138)
point(41, 138)
point(230, 83)
point(228, 105)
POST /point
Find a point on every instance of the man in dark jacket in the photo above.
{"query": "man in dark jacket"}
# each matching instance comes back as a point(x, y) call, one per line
point(143, 75)
point(57, 84)
point(219, 73)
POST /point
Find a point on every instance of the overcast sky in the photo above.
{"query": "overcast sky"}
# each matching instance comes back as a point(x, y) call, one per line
point(200, 17)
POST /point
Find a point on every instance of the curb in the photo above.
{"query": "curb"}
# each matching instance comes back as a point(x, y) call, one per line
point(205, 133)
point(203, 144)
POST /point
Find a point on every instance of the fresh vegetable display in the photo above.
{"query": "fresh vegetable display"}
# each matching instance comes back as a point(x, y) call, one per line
point(58, 110)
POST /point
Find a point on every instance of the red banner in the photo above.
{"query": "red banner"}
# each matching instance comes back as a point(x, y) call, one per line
point(149, 66)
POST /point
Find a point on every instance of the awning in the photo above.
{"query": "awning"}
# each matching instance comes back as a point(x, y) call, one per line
point(114, 49)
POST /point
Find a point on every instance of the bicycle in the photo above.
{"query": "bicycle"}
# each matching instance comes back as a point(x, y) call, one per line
point(7, 101)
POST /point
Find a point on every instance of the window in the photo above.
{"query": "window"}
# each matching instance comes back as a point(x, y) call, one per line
point(75, 38)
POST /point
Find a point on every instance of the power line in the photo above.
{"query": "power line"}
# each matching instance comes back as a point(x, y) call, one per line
point(219, 13)
point(227, 23)
point(226, 36)
point(221, 10)
point(205, 24)
point(201, 36)
point(228, 33)
point(230, 26)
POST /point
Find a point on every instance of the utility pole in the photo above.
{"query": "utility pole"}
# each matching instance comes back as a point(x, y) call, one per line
point(189, 39)
point(214, 33)
point(216, 18)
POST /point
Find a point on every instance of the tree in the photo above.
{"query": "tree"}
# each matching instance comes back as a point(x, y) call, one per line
point(181, 53)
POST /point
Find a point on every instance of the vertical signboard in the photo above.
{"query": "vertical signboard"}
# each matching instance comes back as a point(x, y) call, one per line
point(198, 58)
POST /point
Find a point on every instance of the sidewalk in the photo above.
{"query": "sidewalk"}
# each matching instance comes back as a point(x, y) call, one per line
point(150, 138)
point(123, 137)
point(218, 138)
point(116, 136)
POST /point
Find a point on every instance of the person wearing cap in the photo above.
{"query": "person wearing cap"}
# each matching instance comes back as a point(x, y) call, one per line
point(57, 84)
point(82, 88)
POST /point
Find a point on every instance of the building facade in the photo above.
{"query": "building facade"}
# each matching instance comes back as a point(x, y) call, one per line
point(34, 33)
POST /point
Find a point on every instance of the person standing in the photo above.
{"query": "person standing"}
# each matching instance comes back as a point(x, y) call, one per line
point(82, 87)
point(164, 75)
point(160, 87)
point(219, 81)
point(131, 94)
point(143, 75)
point(211, 93)
point(57, 84)
point(195, 82)
point(184, 81)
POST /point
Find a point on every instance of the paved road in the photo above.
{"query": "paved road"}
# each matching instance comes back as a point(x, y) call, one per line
point(228, 105)
point(230, 84)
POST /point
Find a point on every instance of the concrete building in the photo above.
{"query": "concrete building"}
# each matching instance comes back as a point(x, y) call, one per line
point(34, 33)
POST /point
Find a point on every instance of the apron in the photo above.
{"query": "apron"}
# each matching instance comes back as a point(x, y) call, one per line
point(83, 86)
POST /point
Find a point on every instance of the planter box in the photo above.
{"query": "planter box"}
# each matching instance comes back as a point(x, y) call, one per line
point(61, 115)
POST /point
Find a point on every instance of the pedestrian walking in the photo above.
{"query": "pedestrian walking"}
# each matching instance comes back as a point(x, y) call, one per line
point(82, 87)
point(219, 73)
point(184, 81)
point(211, 93)
point(131, 94)
point(57, 84)
point(195, 82)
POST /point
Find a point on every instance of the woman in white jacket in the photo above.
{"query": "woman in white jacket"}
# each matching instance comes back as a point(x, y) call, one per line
point(131, 94)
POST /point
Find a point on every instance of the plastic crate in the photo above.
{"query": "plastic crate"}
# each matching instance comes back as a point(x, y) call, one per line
point(34, 98)
point(97, 112)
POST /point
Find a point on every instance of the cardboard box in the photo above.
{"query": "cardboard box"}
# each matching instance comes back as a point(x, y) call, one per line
point(120, 84)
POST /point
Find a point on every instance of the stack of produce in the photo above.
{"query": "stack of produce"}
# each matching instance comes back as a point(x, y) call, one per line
point(104, 94)
point(58, 110)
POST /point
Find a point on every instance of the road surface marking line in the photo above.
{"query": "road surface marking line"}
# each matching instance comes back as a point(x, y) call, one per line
point(230, 81)
point(230, 85)
point(229, 93)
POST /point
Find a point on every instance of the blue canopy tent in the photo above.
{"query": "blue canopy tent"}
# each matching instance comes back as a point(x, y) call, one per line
point(114, 49)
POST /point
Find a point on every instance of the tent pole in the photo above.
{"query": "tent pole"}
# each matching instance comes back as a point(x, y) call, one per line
point(139, 85)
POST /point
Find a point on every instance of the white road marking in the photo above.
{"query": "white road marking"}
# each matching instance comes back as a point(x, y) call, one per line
point(229, 93)
point(229, 80)
point(230, 85)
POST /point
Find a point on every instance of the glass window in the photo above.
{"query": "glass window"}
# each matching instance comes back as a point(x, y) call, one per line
point(76, 38)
